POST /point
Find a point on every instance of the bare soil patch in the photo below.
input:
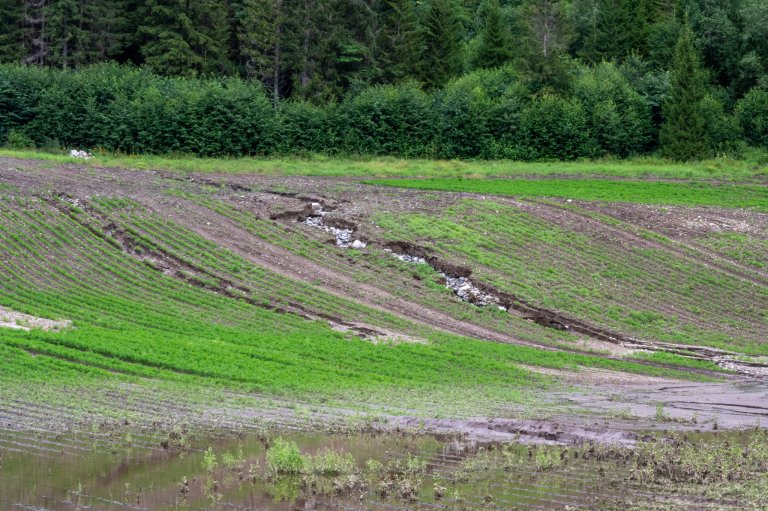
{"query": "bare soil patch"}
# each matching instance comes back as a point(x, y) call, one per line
point(19, 321)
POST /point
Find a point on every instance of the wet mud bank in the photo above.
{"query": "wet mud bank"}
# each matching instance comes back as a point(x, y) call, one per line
point(483, 431)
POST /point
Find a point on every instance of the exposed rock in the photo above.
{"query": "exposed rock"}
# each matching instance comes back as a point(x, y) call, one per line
point(315, 216)
point(461, 285)
point(83, 155)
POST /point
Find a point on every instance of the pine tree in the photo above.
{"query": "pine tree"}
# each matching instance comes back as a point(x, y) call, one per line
point(443, 34)
point(683, 134)
point(495, 47)
point(185, 37)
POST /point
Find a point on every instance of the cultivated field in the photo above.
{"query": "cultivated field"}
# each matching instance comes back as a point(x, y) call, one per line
point(207, 314)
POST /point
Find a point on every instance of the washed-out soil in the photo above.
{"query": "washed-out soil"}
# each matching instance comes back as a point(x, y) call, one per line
point(288, 201)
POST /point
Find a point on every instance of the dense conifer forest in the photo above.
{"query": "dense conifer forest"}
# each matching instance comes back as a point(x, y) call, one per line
point(523, 79)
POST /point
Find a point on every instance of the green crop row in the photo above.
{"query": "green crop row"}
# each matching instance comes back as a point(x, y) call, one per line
point(389, 274)
point(646, 292)
point(131, 321)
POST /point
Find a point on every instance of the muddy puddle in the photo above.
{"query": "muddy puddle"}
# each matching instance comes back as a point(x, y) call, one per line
point(377, 472)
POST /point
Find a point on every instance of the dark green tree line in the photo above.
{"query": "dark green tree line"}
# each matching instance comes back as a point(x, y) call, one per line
point(693, 62)
point(323, 49)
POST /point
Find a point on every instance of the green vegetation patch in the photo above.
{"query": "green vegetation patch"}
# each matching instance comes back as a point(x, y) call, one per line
point(644, 192)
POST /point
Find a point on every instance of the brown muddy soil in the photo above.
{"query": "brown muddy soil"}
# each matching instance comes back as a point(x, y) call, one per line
point(691, 227)
point(632, 403)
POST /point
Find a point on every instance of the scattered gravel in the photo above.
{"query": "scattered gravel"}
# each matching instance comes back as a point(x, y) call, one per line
point(461, 286)
point(343, 236)
point(71, 200)
point(755, 370)
point(468, 292)
point(409, 259)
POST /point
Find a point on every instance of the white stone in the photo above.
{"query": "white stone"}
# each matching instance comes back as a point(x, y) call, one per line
point(358, 244)
point(85, 155)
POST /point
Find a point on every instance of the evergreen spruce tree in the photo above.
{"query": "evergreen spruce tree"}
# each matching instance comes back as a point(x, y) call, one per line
point(443, 35)
point(35, 32)
point(403, 45)
point(615, 28)
point(546, 34)
point(184, 37)
point(495, 48)
point(65, 32)
point(109, 29)
point(645, 15)
point(11, 31)
point(82, 32)
point(258, 24)
point(585, 15)
point(683, 134)
point(606, 29)
point(357, 58)
point(315, 32)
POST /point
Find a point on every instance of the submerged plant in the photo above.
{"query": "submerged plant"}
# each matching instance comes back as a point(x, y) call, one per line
point(233, 461)
point(722, 460)
point(331, 463)
point(210, 461)
point(548, 459)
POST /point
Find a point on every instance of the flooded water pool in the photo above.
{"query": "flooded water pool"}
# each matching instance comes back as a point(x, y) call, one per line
point(143, 472)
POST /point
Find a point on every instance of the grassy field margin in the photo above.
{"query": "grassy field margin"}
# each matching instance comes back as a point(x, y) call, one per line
point(753, 167)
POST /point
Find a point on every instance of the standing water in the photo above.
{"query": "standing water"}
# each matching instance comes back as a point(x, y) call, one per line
point(71, 472)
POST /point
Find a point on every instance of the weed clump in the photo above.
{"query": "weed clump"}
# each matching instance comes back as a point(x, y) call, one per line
point(284, 457)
